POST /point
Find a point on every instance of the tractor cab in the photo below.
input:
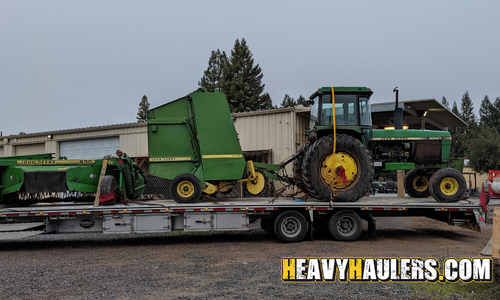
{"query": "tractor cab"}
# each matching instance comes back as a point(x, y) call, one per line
point(352, 111)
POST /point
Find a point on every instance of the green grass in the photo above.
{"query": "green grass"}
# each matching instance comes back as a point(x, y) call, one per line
point(463, 290)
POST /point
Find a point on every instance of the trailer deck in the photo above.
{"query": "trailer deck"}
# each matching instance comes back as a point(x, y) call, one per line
point(299, 217)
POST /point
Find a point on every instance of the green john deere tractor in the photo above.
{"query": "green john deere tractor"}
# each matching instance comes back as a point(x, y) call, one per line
point(341, 123)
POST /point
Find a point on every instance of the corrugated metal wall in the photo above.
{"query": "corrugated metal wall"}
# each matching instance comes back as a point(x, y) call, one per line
point(1, 151)
point(135, 144)
point(281, 131)
point(30, 149)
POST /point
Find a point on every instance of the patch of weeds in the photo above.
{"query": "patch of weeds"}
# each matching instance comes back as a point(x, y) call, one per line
point(470, 290)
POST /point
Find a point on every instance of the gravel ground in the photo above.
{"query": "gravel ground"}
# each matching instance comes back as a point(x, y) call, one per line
point(233, 265)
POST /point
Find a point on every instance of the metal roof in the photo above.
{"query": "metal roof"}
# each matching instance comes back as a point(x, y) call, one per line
point(438, 117)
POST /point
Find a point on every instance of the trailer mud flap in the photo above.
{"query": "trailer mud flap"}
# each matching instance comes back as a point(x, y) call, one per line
point(45, 182)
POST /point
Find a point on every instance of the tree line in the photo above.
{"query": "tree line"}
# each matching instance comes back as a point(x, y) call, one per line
point(479, 141)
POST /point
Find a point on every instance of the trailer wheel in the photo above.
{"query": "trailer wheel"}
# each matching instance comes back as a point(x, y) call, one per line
point(107, 192)
point(185, 188)
point(447, 185)
point(417, 184)
point(351, 176)
point(297, 168)
point(345, 225)
point(290, 226)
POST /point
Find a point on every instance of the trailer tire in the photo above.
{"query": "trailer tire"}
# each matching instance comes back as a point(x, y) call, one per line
point(290, 226)
point(297, 168)
point(447, 185)
point(345, 225)
point(185, 188)
point(417, 184)
point(351, 155)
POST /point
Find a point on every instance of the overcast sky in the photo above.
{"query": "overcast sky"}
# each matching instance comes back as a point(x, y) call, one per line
point(72, 64)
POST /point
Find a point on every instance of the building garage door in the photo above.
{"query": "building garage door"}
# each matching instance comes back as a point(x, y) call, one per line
point(30, 149)
point(89, 148)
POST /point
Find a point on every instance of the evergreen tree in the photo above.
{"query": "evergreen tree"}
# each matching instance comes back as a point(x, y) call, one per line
point(485, 112)
point(445, 102)
point(211, 79)
point(288, 101)
point(483, 149)
point(455, 132)
point(495, 114)
point(467, 108)
point(302, 101)
point(142, 113)
point(242, 81)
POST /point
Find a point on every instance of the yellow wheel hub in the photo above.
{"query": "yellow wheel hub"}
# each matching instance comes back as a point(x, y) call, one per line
point(333, 176)
point(185, 189)
point(420, 183)
point(256, 186)
point(449, 186)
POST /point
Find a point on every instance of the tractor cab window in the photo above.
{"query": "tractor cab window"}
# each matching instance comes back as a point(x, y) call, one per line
point(314, 113)
point(365, 114)
point(345, 110)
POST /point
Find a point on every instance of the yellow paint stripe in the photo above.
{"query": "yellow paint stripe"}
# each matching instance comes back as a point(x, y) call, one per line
point(30, 162)
point(160, 159)
point(222, 156)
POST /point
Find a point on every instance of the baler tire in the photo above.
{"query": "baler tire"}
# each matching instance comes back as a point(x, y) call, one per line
point(189, 185)
point(447, 185)
point(290, 226)
point(297, 168)
point(320, 150)
point(345, 225)
point(411, 179)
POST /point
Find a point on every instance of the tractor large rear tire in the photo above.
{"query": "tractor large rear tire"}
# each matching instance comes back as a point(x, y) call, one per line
point(297, 168)
point(417, 184)
point(351, 156)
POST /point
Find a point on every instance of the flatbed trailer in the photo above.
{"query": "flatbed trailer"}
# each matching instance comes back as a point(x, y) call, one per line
point(290, 220)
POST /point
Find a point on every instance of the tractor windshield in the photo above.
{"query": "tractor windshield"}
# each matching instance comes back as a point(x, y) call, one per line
point(345, 110)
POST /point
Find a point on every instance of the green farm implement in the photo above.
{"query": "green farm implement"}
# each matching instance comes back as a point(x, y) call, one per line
point(192, 140)
point(39, 178)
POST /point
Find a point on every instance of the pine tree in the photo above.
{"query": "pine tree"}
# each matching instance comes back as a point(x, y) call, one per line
point(242, 81)
point(211, 79)
point(455, 132)
point(302, 101)
point(467, 111)
point(142, 113)
point(495, 114)
point(288, 101)
point(485, 112)
point(463, 134)
point(445, 102)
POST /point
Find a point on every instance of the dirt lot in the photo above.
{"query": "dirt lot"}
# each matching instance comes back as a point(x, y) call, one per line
point(235, 265)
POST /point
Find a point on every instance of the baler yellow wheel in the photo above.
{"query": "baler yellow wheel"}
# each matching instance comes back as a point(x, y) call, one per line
point(257, 185)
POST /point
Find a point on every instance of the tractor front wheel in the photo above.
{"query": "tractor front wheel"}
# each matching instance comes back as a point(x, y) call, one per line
point(417, 184)
point(447, 185)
